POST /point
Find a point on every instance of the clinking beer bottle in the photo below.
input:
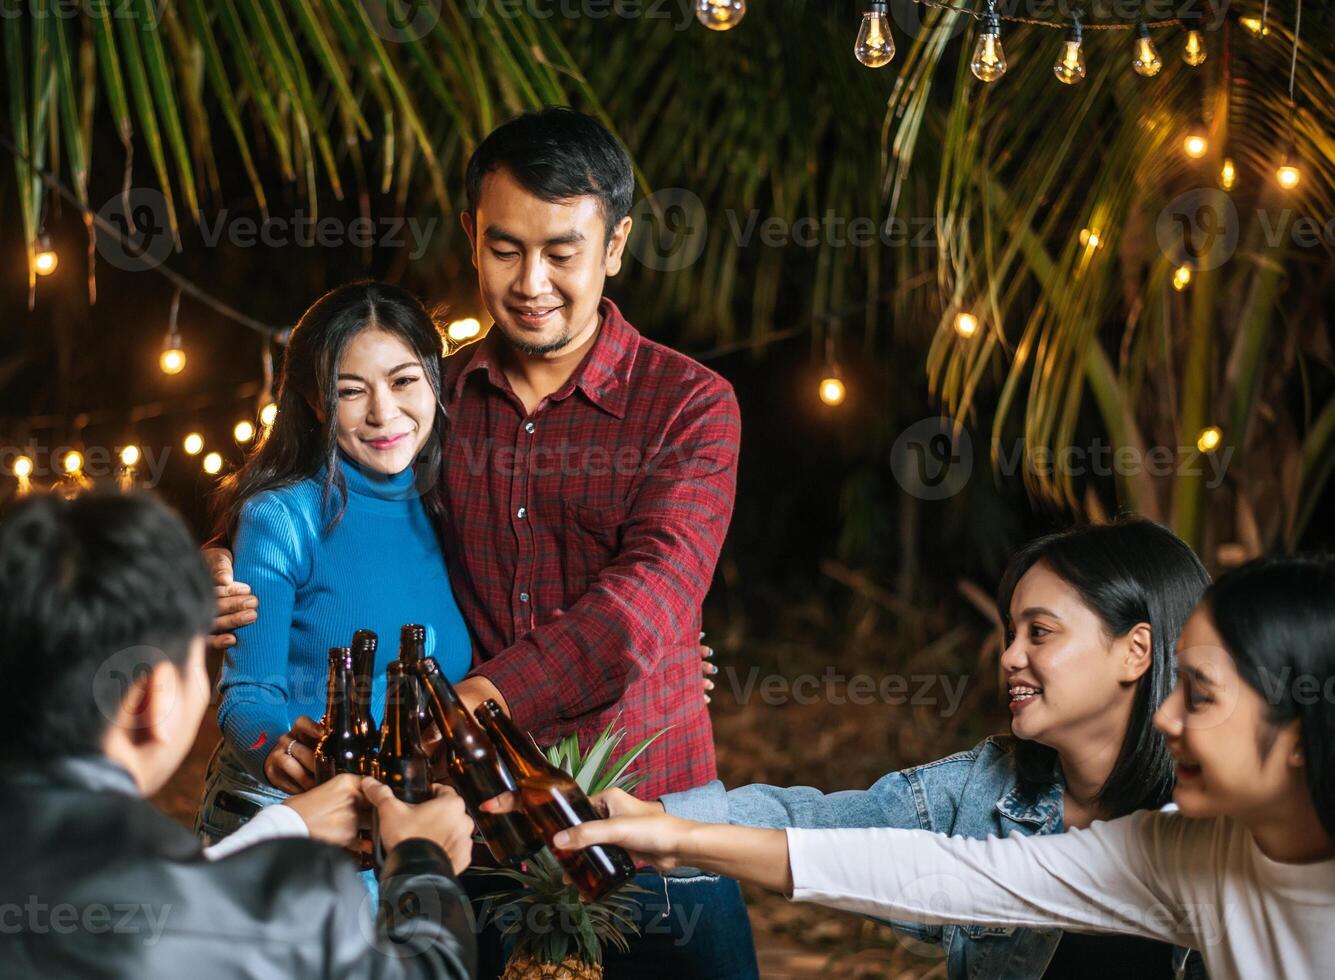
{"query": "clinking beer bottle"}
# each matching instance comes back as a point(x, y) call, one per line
point(364, 645)
point(412, 648)
point(342, 747)
point(346, 745)
point(469, 761)
point(555, 802)
point(400, 763)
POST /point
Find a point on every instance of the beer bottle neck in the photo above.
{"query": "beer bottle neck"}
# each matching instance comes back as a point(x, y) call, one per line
point(518, 749)
point(401, 730)
point(339, 700)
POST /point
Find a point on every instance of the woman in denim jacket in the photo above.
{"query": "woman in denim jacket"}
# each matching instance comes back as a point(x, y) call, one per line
point(1090, 618)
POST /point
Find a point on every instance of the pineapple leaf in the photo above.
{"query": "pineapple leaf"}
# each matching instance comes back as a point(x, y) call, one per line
point(617, 777)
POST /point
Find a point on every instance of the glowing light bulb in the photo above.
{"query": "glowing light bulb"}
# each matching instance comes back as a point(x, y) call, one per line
point(1254, 25)
point(44, 260)
point(832, 391)
point(1181, 277)
point(23, 467)
point(1227, 174)
point(212, 463)
point(193, 444)
point(1209, 439)
point(130, 456)
point(720, 15)
point(1193, 51)
point(1195, 143)
point(989, 60)
point(1287, 175)
point(243, 431)
point(1070, 66)
point(875, 46)
point(1144, 55)
point(1089, 238)
point(461, 330)
point(172, 360)
point(73, 461)
point(268, 413)
point(966, 324)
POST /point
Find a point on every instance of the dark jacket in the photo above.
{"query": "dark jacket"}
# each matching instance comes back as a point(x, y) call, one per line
point(95, 882)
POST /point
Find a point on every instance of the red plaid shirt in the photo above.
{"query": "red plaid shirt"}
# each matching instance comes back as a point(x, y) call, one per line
point(581, 540)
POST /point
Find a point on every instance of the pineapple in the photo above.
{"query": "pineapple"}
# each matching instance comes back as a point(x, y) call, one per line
point(556, 935)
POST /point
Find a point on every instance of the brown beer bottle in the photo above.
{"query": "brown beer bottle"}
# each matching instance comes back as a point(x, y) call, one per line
point(400, 762)
point(364, 645)
point(412, 648)
point(555, 802)
point(342, 747)
point(469, 761)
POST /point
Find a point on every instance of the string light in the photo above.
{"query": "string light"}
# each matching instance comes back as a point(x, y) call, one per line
point(1209, 439)
point(465, 329)
point(1193, 48)
point(989, 60)
point(243, 431)
point(875, 45)
point(1196, 143)
point(720, 15)
point(1145, 58)
point(213, 464)
point(832, 390)
point(130, 456)
point(172, 359)
point(44, 260)
point(1254, 24)
point(73, 461)
point(1070, 66)
point(1089, 238)
point(966, 325)
point(1181, 277)
point(1287, 174)
point(268, 414)
point(1227, 174)
point(23, 467)
point(193, 444)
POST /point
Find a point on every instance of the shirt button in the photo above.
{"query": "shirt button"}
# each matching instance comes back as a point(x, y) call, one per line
point(523, 597)
point(521, 513)
point(529, 427)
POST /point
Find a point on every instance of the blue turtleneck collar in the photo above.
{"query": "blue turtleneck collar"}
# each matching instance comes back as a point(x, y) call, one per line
point(365, 482)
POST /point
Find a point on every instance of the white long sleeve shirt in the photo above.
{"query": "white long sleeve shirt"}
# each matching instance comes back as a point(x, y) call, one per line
point(1198, 883)
point(272, 821)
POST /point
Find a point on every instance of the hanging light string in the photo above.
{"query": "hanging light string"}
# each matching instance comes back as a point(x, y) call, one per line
point(182, 283)
point(979, 13)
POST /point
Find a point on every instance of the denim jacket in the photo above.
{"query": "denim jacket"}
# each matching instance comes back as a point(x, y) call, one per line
point(970, 794)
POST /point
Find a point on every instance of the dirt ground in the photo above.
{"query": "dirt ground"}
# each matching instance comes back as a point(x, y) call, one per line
point(822, 743)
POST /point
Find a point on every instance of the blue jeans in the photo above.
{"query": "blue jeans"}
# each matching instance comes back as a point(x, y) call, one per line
point(704, 935)
point(699, 930)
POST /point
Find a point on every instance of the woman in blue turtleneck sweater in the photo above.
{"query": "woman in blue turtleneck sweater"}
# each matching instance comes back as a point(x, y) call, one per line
point(333, 521)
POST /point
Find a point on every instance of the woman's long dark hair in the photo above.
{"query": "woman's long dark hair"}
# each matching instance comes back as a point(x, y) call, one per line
point(1276, 617)
point(1128, 572)
point(298, 445)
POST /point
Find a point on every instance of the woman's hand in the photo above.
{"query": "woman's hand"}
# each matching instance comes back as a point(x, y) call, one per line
point(236, 606)
point(290, 765)
point(330, 810)
point(619, 803)
point(652, 837)
point(709, 669)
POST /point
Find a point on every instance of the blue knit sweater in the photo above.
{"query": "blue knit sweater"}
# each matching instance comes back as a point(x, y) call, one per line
point(379, 568)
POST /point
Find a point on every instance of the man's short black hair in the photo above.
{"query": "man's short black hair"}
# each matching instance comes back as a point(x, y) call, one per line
point(557, 154)
point(94, 590)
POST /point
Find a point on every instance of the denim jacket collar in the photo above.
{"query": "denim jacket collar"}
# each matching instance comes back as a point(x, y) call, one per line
point(1043, 811)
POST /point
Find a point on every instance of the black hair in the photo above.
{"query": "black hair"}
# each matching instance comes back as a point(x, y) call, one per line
point(557, 154)
point(94, 591)
point(1128, 572)
point(298, 445)
point(1276, 617)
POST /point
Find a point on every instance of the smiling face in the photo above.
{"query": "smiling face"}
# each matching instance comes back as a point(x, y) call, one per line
point(1071, 686)
point(386, 407)
point(1231, 761)
point(541, 265)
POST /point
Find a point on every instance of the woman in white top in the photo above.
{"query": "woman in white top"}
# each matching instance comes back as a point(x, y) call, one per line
point(1244, 872)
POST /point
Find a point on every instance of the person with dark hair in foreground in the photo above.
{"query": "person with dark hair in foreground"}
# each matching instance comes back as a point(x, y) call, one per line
point(104, 604)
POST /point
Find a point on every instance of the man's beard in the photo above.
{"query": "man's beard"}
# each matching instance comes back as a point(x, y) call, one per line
point(560, 342)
